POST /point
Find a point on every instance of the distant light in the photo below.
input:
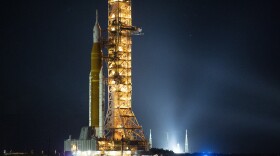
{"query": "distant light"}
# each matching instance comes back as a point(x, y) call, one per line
point(86, 153)
point(74, 147)
point(177, 149)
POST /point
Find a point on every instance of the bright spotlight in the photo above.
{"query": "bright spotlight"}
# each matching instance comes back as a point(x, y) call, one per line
point(177, 149)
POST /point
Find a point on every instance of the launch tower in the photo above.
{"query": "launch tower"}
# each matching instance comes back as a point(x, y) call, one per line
point(117, 133)
point(120, 122)
point(120, 119)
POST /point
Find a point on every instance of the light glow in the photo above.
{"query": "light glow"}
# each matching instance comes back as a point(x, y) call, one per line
point(177, 149)
point(86, 153)
point(73, 147)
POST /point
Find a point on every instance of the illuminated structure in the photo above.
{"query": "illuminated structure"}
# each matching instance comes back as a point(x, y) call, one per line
point(150, 139)
point(120, 122)
point(117, 133)
point(96, 94)
point(186, 143)
point(167, 141)
point(90, 134)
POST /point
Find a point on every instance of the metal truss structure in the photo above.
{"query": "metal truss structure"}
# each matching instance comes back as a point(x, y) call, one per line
point(121, 123)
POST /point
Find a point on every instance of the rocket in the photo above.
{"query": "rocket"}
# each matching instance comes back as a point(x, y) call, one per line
point(96, 102)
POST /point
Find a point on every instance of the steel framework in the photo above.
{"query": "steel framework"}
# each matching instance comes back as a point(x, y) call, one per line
point(120, 122)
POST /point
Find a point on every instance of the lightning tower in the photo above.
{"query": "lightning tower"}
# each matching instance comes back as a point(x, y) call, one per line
point(150, 139)
point(186, 143)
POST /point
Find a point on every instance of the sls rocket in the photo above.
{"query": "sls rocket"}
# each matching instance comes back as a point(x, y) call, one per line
point(96, 102)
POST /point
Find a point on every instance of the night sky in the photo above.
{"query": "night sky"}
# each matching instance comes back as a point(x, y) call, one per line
point(209, 66)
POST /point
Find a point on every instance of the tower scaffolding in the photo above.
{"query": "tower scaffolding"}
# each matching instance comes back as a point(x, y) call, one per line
point(121, 125)
point(120, 134)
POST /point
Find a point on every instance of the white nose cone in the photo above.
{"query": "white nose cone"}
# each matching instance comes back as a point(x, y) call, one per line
point(96, 30)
